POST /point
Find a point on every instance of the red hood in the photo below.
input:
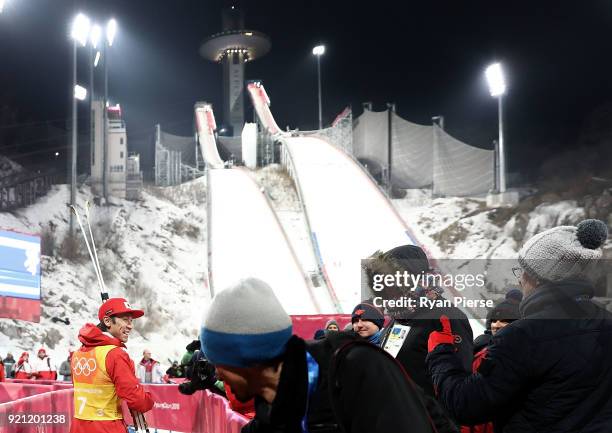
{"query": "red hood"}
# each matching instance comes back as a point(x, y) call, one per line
point(91, 336)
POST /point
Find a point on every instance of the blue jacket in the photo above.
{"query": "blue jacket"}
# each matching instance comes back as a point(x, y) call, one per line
point(549, 372)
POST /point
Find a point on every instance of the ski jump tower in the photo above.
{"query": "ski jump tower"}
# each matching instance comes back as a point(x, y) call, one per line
point(234, 47)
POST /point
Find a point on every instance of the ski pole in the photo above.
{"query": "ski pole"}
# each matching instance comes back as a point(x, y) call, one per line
point(93, 261)
point(93, 246)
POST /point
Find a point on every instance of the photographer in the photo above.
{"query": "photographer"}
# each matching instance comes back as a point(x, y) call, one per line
point(202, 375)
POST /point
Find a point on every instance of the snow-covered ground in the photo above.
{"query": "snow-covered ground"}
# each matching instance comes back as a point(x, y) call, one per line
point(151, 251)
point(246, 240)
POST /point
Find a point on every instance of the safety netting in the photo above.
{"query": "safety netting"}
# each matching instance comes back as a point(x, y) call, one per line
point(421, 155)
point(176, 158)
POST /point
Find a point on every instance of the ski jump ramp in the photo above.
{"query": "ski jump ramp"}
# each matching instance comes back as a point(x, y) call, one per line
point(348, 215)
point(245, 239)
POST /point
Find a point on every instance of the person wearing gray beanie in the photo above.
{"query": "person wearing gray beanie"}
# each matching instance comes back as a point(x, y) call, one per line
point(562, 253)
point(299, 385)
point(550, 369)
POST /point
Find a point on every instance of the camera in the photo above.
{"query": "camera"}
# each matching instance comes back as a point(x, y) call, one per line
point(201, 375)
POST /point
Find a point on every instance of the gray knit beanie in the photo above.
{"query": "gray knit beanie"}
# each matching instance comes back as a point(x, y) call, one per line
point(245, 325)
point(564, 252)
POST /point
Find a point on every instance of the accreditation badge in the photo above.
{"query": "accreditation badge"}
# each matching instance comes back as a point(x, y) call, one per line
point(396, 338)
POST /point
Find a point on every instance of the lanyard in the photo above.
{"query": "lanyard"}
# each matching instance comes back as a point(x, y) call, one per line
point(313, 377)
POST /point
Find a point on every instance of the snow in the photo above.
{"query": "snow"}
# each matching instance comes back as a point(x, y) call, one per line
point(349, 216)
point(150, 251)
point(241, 222)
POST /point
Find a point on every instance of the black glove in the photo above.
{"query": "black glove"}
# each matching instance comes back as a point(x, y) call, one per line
point(193, 346)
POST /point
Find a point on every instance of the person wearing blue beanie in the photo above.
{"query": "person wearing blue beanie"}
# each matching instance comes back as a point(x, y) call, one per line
point(299, 385)
point(245, 326)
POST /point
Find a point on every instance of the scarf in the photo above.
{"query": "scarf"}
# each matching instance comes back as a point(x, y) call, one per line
point(375, 338)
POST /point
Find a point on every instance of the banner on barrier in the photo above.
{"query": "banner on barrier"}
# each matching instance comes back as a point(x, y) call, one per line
point(32, 408)
point(19, 276)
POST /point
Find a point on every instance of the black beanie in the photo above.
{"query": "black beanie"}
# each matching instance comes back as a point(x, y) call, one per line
point(506, 311)
point(412, 258)
point(368, 312)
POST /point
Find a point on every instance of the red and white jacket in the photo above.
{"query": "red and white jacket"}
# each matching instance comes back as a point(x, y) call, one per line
point(120, 368)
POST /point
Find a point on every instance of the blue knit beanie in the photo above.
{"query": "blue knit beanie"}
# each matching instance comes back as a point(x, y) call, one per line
point(245, 326)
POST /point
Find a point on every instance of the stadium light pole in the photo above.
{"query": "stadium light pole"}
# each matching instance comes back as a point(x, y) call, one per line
point(111, 32)
point(497, 88)
point(94, 56)
point(79, 33)
point(318, 51)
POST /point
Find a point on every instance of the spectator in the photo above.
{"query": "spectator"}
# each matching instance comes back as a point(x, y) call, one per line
point(549, 371)
point(319, 334)
point(257, 356)
point(175, 370)
point(512, 300)
point(43, 367)
point(102, 367)
point(65, 371)
point(416, 324)
point(9, 364)
point(332, 326)
point(191, 348)
point(504, 313)
point(24, 369)
point(149, 370)
point(368, 322)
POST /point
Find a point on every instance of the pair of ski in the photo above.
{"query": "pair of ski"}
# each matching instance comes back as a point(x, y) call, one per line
point(140, 422)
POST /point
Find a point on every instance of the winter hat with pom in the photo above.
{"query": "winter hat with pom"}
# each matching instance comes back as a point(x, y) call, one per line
point(564, 252)
point(245, 326)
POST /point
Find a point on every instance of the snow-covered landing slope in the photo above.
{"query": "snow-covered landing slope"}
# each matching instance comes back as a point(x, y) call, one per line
point(246, 240)
point(349, 216)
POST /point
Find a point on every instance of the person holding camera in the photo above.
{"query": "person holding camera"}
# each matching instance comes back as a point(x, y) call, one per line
point(339, 383)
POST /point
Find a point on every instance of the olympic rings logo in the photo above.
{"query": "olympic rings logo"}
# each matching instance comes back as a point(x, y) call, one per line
point(84, 366)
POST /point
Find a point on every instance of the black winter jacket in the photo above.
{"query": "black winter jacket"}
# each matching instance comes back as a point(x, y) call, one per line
point(360, 391)
point(549, 372)
point(414, 350)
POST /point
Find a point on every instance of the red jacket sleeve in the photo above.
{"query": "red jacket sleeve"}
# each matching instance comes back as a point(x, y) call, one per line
point(120, 368)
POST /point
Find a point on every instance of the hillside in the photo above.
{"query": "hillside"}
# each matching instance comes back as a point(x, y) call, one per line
point(151, 252)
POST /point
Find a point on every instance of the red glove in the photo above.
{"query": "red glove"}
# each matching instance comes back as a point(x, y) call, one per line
point(445, 336)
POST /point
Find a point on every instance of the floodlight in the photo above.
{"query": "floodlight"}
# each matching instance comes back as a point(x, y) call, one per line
point(97, 59)
point(80, 29)
point(96, 32)
point(496, 80)
point(80, 92)
point(319, 50)
point(111, 31)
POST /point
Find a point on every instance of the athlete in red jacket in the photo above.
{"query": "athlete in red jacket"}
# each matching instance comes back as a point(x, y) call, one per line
point(103, 373)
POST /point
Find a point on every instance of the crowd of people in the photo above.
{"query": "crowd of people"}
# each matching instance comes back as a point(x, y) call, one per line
point(41, 367)
point(543, 363)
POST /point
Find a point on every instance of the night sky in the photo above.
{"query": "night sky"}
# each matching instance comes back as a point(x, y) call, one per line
point(427, 57)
